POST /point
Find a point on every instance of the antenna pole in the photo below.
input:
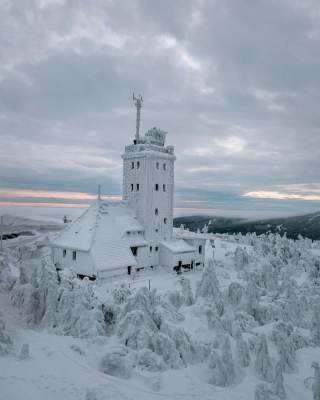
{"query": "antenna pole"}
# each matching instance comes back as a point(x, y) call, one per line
point(138, 103)
point(99, 192)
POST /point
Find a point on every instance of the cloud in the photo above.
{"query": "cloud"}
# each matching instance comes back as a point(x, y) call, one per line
point(236, 86)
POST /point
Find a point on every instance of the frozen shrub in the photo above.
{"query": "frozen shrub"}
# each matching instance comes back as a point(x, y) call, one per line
point(164, 346)
point(187, 295)
point(24, 352)
point(150, 361)
point(208, 287)
point(242, 351)
point(235, 291)
point(116, 363)
point(5, 340)
point(120, 294)
point(278, 382)
point(262, 392)
point(315, 325)
point(136, 330)
point(263, 365)
point(175, 298)
point(217, 373)
point(240, 258)
point(282, 336)
point(316, 381)
point(227, 360)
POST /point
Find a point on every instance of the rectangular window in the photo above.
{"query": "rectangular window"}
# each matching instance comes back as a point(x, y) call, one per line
point(131, 187)
point(164, 187)
point(164, 167)
point(157, 187)
point(164, 220)
point(150, 249)
point(157, 165)
point(132, 165)
point(157, 230)
point(74, 255)
point(156, 248)
point(64, 253)
point(156, 211)
point(138, 164)
point(200, 249)
point(138, 187)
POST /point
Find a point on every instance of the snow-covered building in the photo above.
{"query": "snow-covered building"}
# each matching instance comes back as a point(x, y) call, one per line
point(136, 233)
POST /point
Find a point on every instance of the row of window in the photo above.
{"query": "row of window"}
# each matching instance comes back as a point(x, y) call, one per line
point(137, 165)
point(156, 188)
point(74, 254)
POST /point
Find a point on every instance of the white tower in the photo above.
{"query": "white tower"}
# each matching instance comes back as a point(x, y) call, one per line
point(148, 181)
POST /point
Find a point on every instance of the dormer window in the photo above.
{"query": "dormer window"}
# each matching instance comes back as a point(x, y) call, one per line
point(157, 187)
point(132, 165)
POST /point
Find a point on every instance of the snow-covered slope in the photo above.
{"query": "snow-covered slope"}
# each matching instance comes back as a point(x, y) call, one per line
point(245, 327)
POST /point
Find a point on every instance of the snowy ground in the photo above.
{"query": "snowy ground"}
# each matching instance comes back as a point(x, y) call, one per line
point(184, 325)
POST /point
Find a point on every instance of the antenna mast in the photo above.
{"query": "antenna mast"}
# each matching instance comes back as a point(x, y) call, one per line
point(99, 192)
point(138, 103)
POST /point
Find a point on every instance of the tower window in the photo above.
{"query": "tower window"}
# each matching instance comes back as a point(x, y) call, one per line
point(138, 164)
point(156, 211)
point(150, 249)
point(64, 253)
point(164, 187)
point(157, 230)
point(157, 187)
point(200, 249)
point(156, 248)
point(164, 220)
point(164, 167)
point(138, 187)
point(74, 255)
point(132, 165)
point(131, 187)
point(157, 165)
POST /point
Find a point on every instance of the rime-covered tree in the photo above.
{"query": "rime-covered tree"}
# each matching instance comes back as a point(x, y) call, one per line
point(218, 375)
point(315, 324)
point(227, 360)
point(263, 365)
point(316, 381)
point(242, 350)
point(241, 258)
point(278, 386)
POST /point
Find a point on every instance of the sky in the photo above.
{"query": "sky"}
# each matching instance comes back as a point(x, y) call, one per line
point(235, 84)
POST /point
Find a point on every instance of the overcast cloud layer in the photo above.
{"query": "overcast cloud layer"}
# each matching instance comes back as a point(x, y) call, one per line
point(236, 84)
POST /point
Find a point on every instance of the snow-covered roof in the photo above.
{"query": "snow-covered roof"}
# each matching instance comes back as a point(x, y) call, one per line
point(107, 230)
point(178, 246)
point(186, 234)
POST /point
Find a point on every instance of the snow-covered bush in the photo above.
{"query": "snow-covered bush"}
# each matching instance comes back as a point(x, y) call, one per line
point(116, 362)
point(263, 366)
point(6, 343)
point(148, 360)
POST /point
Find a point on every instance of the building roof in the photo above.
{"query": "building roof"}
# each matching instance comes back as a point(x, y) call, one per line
point(107, 230)
point(186, 234)
point(178, 246)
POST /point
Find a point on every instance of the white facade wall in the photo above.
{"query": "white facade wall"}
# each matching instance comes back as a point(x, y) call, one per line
point(196, 242)
point(155, 168)
point(83, 265)
point(170, 259)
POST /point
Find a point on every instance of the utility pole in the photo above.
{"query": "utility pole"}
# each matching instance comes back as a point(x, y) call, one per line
point(138, 103)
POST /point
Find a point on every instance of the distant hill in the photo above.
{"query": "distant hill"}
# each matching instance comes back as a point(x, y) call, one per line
point(305, 225)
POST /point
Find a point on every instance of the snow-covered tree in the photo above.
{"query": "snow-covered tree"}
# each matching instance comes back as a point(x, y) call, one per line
point(217, 373)
point(187, 294)
point(316, 381)
point(235, 292)
point(278, 386)
point(241, 258)
point(6, 344)
point(315, 324)
point(262, 392)
point(242, 350)
point(263, 365)
point(227, 360)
